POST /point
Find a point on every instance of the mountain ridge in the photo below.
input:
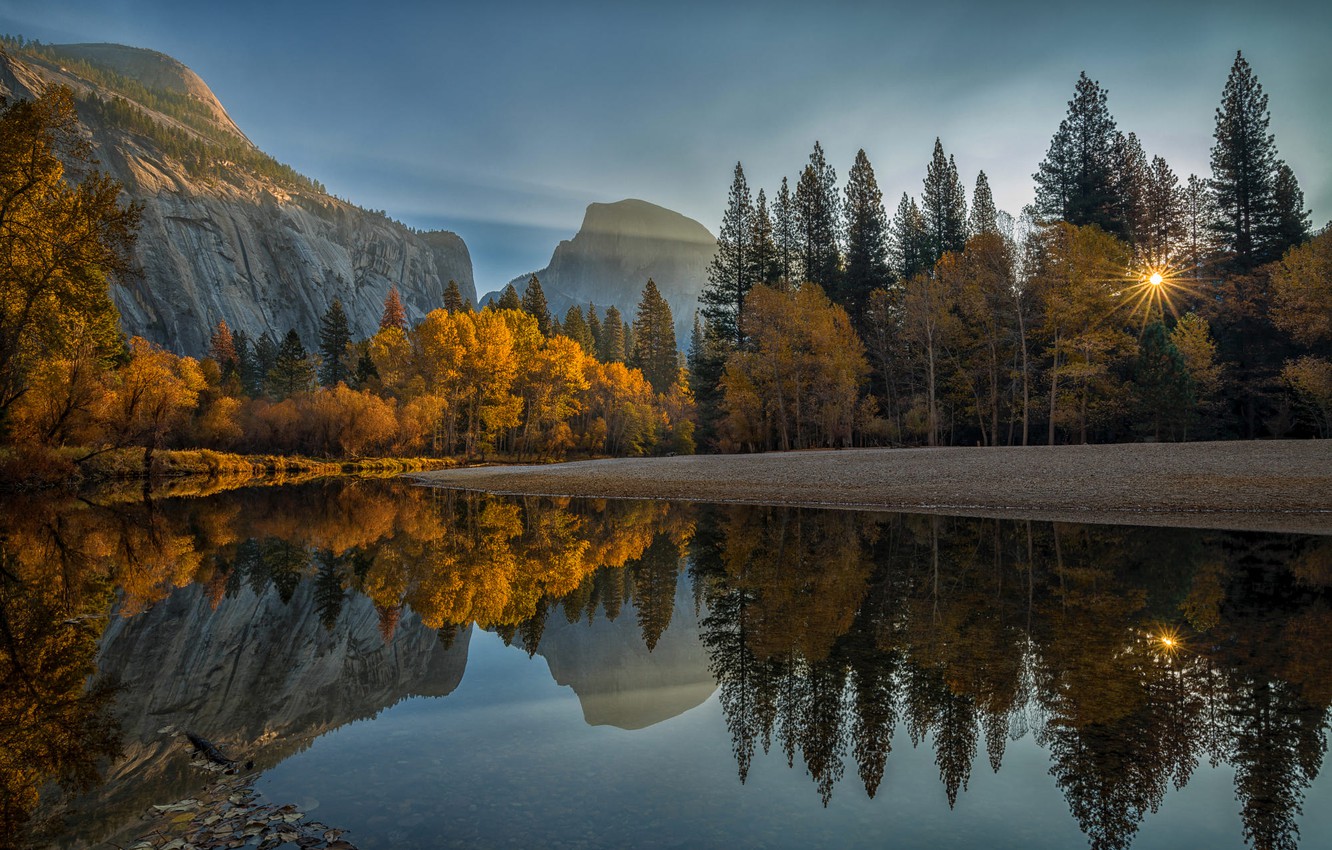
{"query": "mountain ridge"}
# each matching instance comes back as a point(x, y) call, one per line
point(228, 233)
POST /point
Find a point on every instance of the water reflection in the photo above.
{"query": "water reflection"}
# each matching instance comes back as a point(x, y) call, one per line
point(268, 617)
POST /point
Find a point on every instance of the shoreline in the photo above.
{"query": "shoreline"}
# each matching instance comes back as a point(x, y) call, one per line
point(1268, 485)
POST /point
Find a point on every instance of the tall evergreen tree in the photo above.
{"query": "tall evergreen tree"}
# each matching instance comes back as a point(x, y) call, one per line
point(707, 362)
point(534, 305)
point(594, 328)
point(866, 240)
point(1132, 174)
point(334, 342)
point(292, 371)
point(1198, 217)
point(1162, 237)
point(1076, 180)
point(222, 348)
point(576, 329)
point(944, 205)
point(784, 233)
point(909, 247)
point(611, 349)
point(453, 300)
point(1163, 391)
point(509, 299)
point(394, 315)
point(655, 351)
point(763, 260)
point(818, 222)
point(265, 356)
point(730, 276)
point(244, 359)
point(1291, 218)
point(984, 215)
point(1244, 164)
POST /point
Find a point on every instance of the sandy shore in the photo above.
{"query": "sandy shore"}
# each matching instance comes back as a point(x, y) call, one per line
point(1260, 485)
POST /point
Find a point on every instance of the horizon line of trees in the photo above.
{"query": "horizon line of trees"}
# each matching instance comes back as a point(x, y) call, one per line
point(971, 326)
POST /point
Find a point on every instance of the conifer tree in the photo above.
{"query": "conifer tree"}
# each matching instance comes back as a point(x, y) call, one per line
point(509, 299)
point(1163, 211)
point(1076, 180)
point(222, 348)
point(984, 216)
point(453, 300)
point(594, 329)
point(1132, 174)
point(334, 341)
point(265, 355)
point(534, 305)
point(292, 371)
point(1244, 165)
point(655, 352)
point(576, 329)
point(707, 363)
point(1163, 390)
point(394, 315)
point(909, 246)
point(763, 249)
point(1291, 218)
point(730, 274)
point(784, 234)
point(818, 222)
point(1197, 221)
point(866, 240)
point(944, 205)
point(611, 349)
point(244, 359)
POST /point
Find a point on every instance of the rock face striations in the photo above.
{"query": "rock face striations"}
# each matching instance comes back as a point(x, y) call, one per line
point(228, 233)
point(617, 249)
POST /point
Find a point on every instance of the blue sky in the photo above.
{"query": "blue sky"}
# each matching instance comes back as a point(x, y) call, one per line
point(502, 121)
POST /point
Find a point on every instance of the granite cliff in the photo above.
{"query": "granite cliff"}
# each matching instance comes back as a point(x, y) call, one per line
point(228, 232)
point(617, 248)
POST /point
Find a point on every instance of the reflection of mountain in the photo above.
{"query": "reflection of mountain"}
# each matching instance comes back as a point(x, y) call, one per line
point(618, 680)
point(260, 678)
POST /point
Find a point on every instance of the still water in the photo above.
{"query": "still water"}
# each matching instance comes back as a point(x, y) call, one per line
point(433, 669)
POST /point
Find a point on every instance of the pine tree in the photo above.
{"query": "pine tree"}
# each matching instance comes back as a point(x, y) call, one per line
point(1132, 174)
point(453, 300)
point(509, 299)
point(706, 362)
point(611, 349)
point(366, 371)
point(730, 274)
point(909, 246)
point(394, 315)
point(944, 206)
point(222, 348)
point(1291, 218)
point(1244, 163)
point(762, 250)
point(655, 352)
point(576, 329)
point(594, 329)
point(334, 340)
point(866, 240)
point(292, 371)
point(817, 217)
point(1075, 181)
point(984, 215)
point(1198, 217)
point(244, 360)
point(265, 356)
point(1163, 391)
point(1162, 239)
point(784, 234)
point(534, 305)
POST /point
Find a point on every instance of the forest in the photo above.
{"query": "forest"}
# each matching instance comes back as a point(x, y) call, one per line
point(1124, 304)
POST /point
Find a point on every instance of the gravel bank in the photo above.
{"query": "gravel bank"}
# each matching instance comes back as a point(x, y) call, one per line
point(1260, 485)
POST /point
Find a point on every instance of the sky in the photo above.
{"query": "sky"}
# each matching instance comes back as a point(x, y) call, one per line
point(503, 121)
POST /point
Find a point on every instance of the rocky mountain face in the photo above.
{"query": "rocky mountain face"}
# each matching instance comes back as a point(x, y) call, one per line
point(227, 232)
point(259, 677)
point(618, 680)
point(617, 249)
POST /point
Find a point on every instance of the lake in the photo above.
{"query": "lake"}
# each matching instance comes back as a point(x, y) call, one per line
point(408, 667)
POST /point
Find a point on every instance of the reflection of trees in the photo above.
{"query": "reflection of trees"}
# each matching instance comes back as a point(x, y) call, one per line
point(828, 631)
